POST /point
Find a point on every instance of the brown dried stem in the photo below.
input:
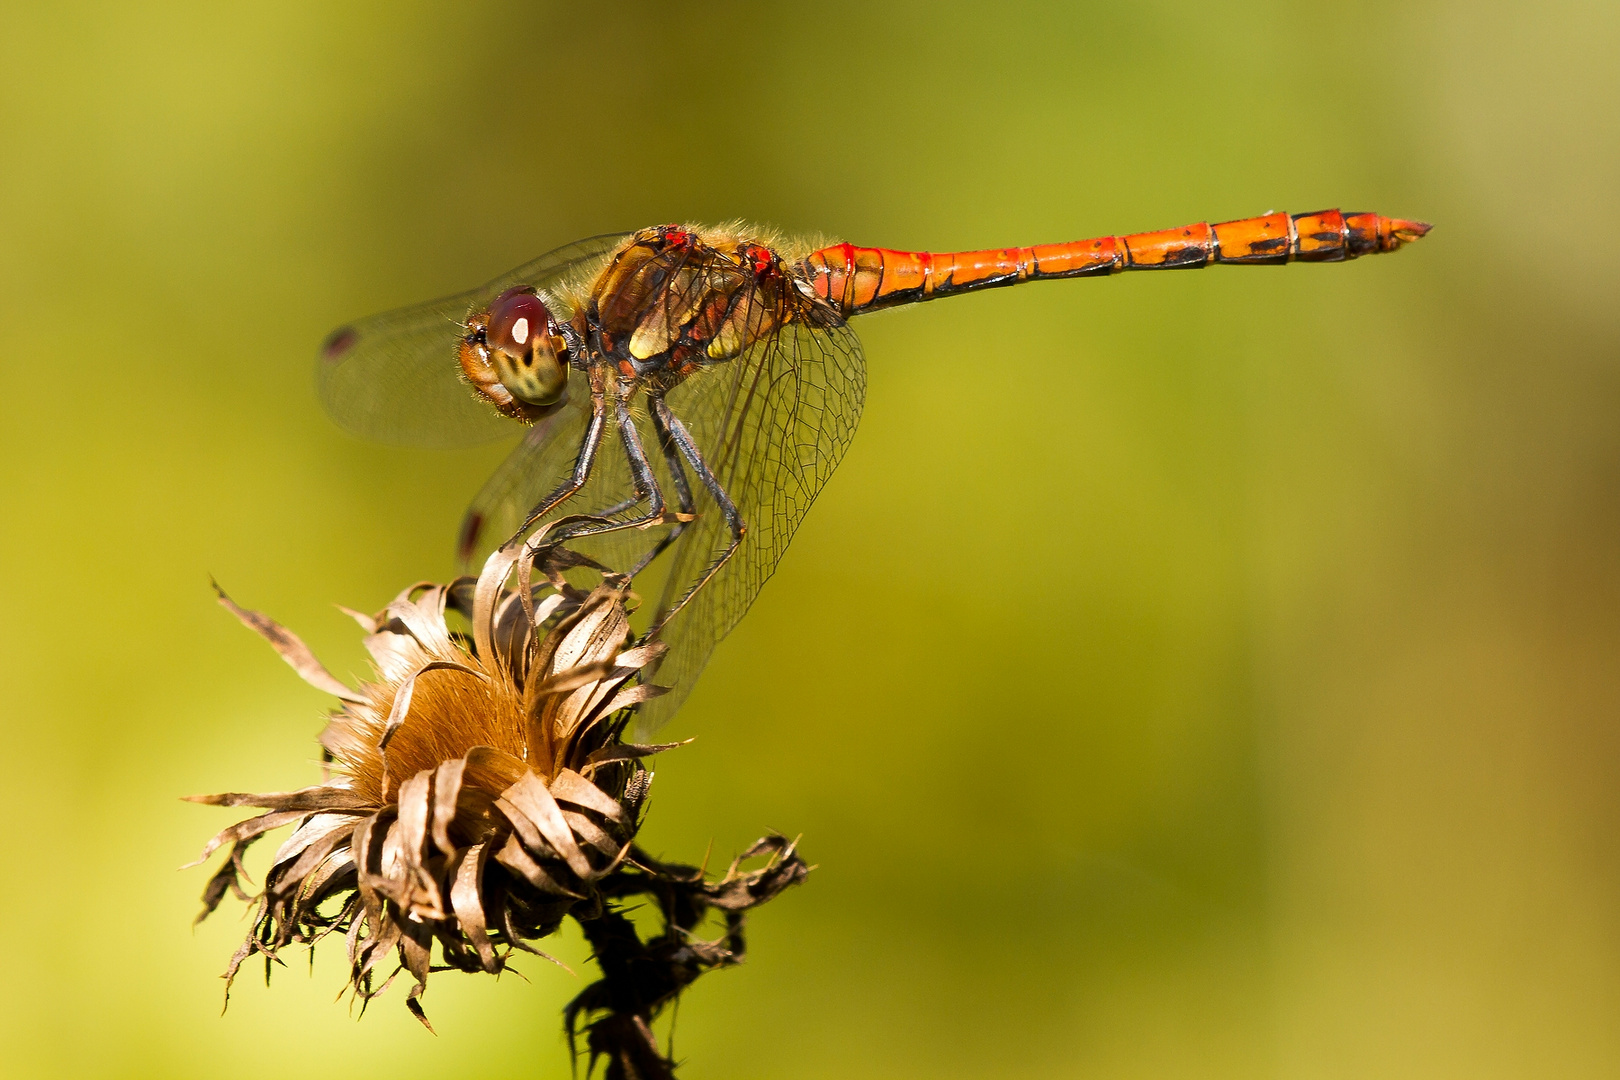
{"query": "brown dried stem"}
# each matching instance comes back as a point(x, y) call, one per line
point(640, 978)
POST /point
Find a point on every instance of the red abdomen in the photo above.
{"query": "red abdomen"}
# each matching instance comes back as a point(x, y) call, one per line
point(858, 279)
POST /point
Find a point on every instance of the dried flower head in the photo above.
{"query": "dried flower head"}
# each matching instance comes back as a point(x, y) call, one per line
point(478, 789)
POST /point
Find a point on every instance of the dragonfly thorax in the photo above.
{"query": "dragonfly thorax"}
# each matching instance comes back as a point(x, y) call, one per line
point(672, 300)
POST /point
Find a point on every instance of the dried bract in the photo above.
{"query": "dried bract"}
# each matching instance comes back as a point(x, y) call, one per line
point(479, 788)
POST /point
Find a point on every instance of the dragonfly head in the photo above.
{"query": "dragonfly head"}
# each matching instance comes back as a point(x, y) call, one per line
point(515, 355)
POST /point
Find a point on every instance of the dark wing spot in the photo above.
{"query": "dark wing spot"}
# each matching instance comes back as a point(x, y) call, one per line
point(468, 543)
point(337, 343)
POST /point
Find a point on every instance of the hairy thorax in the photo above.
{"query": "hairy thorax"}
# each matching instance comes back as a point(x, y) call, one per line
point(673, 300)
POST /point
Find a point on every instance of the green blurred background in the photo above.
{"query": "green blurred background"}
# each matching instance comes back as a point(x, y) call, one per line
point(1206, 675)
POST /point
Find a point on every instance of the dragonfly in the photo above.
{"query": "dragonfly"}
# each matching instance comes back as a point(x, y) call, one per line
point(688, 390)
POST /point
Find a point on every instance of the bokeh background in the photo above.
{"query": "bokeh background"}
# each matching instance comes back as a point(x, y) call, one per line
point(1205, 675)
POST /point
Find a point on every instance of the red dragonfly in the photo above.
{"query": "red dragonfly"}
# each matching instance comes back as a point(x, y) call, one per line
point(732, 351)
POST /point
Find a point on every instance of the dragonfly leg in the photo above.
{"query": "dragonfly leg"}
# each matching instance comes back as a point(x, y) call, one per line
point(646, 483)
point(683, 491)
point(728, 510)
point(617, 508)
point(672, 457)
point(647, 489)
point(582, 465)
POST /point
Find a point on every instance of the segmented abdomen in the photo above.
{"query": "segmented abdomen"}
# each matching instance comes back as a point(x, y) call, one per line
point(858, 279)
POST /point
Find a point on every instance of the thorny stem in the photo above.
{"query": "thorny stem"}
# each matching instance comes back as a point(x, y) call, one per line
point(639, 978)
point(624, 1036)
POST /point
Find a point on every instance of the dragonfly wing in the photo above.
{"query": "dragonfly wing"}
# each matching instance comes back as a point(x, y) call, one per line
point(395, 377)
point(772, 425)
point(532, 470)
point(538, 466)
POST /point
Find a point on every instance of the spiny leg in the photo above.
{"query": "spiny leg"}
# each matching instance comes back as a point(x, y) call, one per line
point(640, 469)
point(647, 489)
point(728, 510)
point(618, 508)
point(582, 465)
point(672, 459)
point(683, 491)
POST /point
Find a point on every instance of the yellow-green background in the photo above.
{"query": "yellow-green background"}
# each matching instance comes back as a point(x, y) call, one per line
point(1206, 675)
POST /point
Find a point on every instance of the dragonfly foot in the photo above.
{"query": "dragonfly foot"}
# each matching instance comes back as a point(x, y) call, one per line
point(667, 518)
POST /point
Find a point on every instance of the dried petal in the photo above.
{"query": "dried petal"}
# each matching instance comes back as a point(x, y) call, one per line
point(291, 649)
point(446, 795)
point(245, 830)
point(569, 786)
point(513, 855)
point(467, 900)
point(530, 798)
point(442, 820)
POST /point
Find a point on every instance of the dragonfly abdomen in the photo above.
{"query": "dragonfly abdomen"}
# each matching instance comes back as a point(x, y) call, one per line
point(857, 279)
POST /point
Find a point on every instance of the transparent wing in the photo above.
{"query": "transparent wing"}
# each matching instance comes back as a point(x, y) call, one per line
point(531, 471)
point(538, 465)
point(772, 425)
point(395, 377)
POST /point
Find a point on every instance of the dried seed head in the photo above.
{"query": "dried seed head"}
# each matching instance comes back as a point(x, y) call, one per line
point(479, 787)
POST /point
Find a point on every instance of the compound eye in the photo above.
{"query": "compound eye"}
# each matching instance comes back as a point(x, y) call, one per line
point(516, 319)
